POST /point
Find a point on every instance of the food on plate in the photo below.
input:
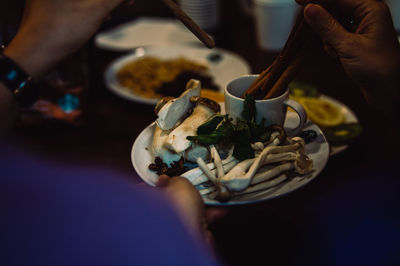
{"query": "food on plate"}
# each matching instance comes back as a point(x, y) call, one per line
point(343, 133)
point(179, 118)
point(175, 169)
point(170, 110)
point(302, 89)
point(326, 114)
point(234, 158)
point(153, 77)
point(213, 95)
point(322, 112)
point(308, 135)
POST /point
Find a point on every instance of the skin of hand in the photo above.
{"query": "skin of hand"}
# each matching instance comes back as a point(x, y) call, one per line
point(49, 31)
point(52, 29)
point(189, 205)
point(371, 54)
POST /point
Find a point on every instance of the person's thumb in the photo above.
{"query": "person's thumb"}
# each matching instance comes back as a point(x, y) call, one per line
point(325, 25)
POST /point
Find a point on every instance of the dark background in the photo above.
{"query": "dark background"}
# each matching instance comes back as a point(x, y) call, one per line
point(273, 232)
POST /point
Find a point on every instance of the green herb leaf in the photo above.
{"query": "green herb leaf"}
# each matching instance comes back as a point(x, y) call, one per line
point(223, 132)
point(209, 126)
point(243, 151)
point(261, 132)
point(249, 108)
point(242, 129)
point(246, 131)
point(206, 139)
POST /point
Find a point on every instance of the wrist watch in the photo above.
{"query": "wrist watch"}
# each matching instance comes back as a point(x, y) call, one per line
point(21, 84)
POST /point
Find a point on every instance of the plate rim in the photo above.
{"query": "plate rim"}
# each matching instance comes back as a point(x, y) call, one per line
point(335, 150)
point(102, 39)
point(134, 147)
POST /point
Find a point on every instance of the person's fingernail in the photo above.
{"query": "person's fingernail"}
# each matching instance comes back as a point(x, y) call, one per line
point(313, 12)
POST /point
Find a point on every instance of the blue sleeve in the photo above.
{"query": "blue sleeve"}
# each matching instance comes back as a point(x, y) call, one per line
point(356, 223)
point(54, 214)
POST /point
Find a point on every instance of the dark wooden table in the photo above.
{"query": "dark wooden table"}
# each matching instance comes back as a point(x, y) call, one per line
point(268, 232)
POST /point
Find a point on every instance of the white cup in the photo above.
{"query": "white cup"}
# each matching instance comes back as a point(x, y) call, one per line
point(204, 12)
point(274, 21)
point(394, 6)
point(272, 110)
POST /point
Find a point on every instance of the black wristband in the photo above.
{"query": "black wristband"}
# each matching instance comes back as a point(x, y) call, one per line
point(18, 81)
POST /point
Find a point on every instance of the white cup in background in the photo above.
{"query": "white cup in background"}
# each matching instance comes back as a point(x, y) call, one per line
point(274, 20)
point(204, 12)
point(394, 6)
point(272, 110)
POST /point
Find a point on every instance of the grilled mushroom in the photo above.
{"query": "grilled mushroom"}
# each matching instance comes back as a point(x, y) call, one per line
point(171, 110)
point(204, 110)
point(159, 150)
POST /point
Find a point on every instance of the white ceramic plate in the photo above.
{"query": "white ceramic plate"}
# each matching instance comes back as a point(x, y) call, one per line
point(145, 31)
point(222, 71)
point(318, 151)
point(349, 117)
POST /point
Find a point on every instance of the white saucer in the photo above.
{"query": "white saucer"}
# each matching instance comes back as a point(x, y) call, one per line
point(318, 151)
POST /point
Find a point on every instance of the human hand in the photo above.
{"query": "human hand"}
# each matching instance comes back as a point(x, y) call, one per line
point(370, 54)
point(52, 29)
point(189, 204)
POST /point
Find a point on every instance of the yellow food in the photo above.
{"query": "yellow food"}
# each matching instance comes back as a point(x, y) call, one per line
point(342, 133)
point(321, 112)
point(146, 75)
point(212, 94)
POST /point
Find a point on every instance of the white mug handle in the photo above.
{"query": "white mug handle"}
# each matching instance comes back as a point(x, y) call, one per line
point(299, 109)
point(247, 6)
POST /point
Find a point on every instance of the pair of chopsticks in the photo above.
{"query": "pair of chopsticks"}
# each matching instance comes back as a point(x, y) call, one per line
point(190, 24)
point(274, 80)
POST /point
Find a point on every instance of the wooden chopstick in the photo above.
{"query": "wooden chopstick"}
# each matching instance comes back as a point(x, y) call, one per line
point(190, 24)
point(287, 76)
point(256, 86)
point(294, 45)
point(282, 70)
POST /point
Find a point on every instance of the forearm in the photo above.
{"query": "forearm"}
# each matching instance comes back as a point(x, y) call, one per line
point(31, 55)
point(49, 31)
point(26, 57)
point(8, 109)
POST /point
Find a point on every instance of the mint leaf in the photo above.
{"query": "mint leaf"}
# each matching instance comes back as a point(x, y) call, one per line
point(222, 132)
point(242, 129)
point(209, 126)
point(246, 131)
point(206, 139)
point(243, 151)
point(249, 108)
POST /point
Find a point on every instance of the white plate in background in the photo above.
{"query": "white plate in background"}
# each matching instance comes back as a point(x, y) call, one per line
point(349, 117)
point(145, 31)
point(222, 71)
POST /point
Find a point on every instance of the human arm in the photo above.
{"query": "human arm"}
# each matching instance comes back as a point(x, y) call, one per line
point(49, 31)
point(8, 109)
point(189, 204)
point(81, 215)
point(370, 54)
